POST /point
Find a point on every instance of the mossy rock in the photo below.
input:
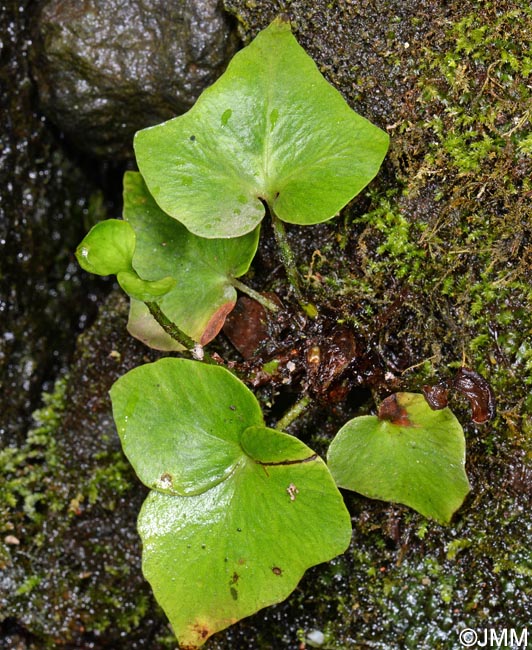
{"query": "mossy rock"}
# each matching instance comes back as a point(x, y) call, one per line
point(72, 556)
point(431, 268)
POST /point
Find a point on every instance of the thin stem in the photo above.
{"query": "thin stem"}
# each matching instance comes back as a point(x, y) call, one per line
point(293, 413)
point(289, 262)
point(169, 327)
point(265, 302)
point(287, 255)
point(178, 335)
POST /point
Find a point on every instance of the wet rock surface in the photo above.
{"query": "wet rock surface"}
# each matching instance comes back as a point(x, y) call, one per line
point(430, 267)
point(106, 69)
point(45, 200)
point(78, 493)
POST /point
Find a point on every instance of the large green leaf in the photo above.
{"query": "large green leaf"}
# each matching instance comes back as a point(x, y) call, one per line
point(203, 269)
point(270, 129)
point(217, 557)
point(259, 506)
point(180, 423)
point(408, 454)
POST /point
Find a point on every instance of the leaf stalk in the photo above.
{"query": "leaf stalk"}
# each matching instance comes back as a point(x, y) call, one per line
point(289, 262)
point(177, 334)
point(263, 300)
point(293, 413)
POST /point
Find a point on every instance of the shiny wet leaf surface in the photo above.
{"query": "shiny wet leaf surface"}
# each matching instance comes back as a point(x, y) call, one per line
point(237, 511)
point(407, 454)
point(272, 130)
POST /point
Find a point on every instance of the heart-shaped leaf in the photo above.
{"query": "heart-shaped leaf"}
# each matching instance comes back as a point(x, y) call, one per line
point(260, 507)
point(407, 454)
point(270, 129)
point(202, 269)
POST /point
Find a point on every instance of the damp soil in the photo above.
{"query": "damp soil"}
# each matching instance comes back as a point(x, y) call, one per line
point(427, 271)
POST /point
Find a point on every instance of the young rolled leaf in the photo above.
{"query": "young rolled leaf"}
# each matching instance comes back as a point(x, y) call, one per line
point(202, 269)
point(270, 129)
point(108, 249)
point(260, 507)
point(144, 290)
point(407, 454)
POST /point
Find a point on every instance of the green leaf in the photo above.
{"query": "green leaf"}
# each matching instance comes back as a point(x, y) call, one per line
point(408, 454)
point(180, 423)
point(108, 248)
point(260, 448)
point(270, 129)
point(202, 269)
point(215, 558)
point(142, 289)
point(260, 506)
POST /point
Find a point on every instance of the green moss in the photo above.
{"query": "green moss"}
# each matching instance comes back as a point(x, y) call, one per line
point(109, 481)
point(439, 270)
point(478, 87)
point(28, 585)
point(453, 244)
point(389, 240)
point(71, 555)
point(27, 471)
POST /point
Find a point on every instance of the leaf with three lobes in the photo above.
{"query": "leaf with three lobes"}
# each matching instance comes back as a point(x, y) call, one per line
point(407, 454)
point(259, 507)
point(270, 129)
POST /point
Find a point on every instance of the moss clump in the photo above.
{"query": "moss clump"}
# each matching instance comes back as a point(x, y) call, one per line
point(436, 271)
point(478, 166)
point(454, 240)
point(26, 489)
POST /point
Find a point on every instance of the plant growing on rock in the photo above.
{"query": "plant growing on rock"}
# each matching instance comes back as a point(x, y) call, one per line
point(164, 268)
point(225, 526)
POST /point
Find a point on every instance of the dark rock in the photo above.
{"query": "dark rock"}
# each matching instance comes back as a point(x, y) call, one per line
point(74, 578)
point(106, 69)
point(81, 500)
point(45, 199)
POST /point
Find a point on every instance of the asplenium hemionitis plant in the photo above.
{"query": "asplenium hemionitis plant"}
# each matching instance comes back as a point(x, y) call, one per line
point(230, 496)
